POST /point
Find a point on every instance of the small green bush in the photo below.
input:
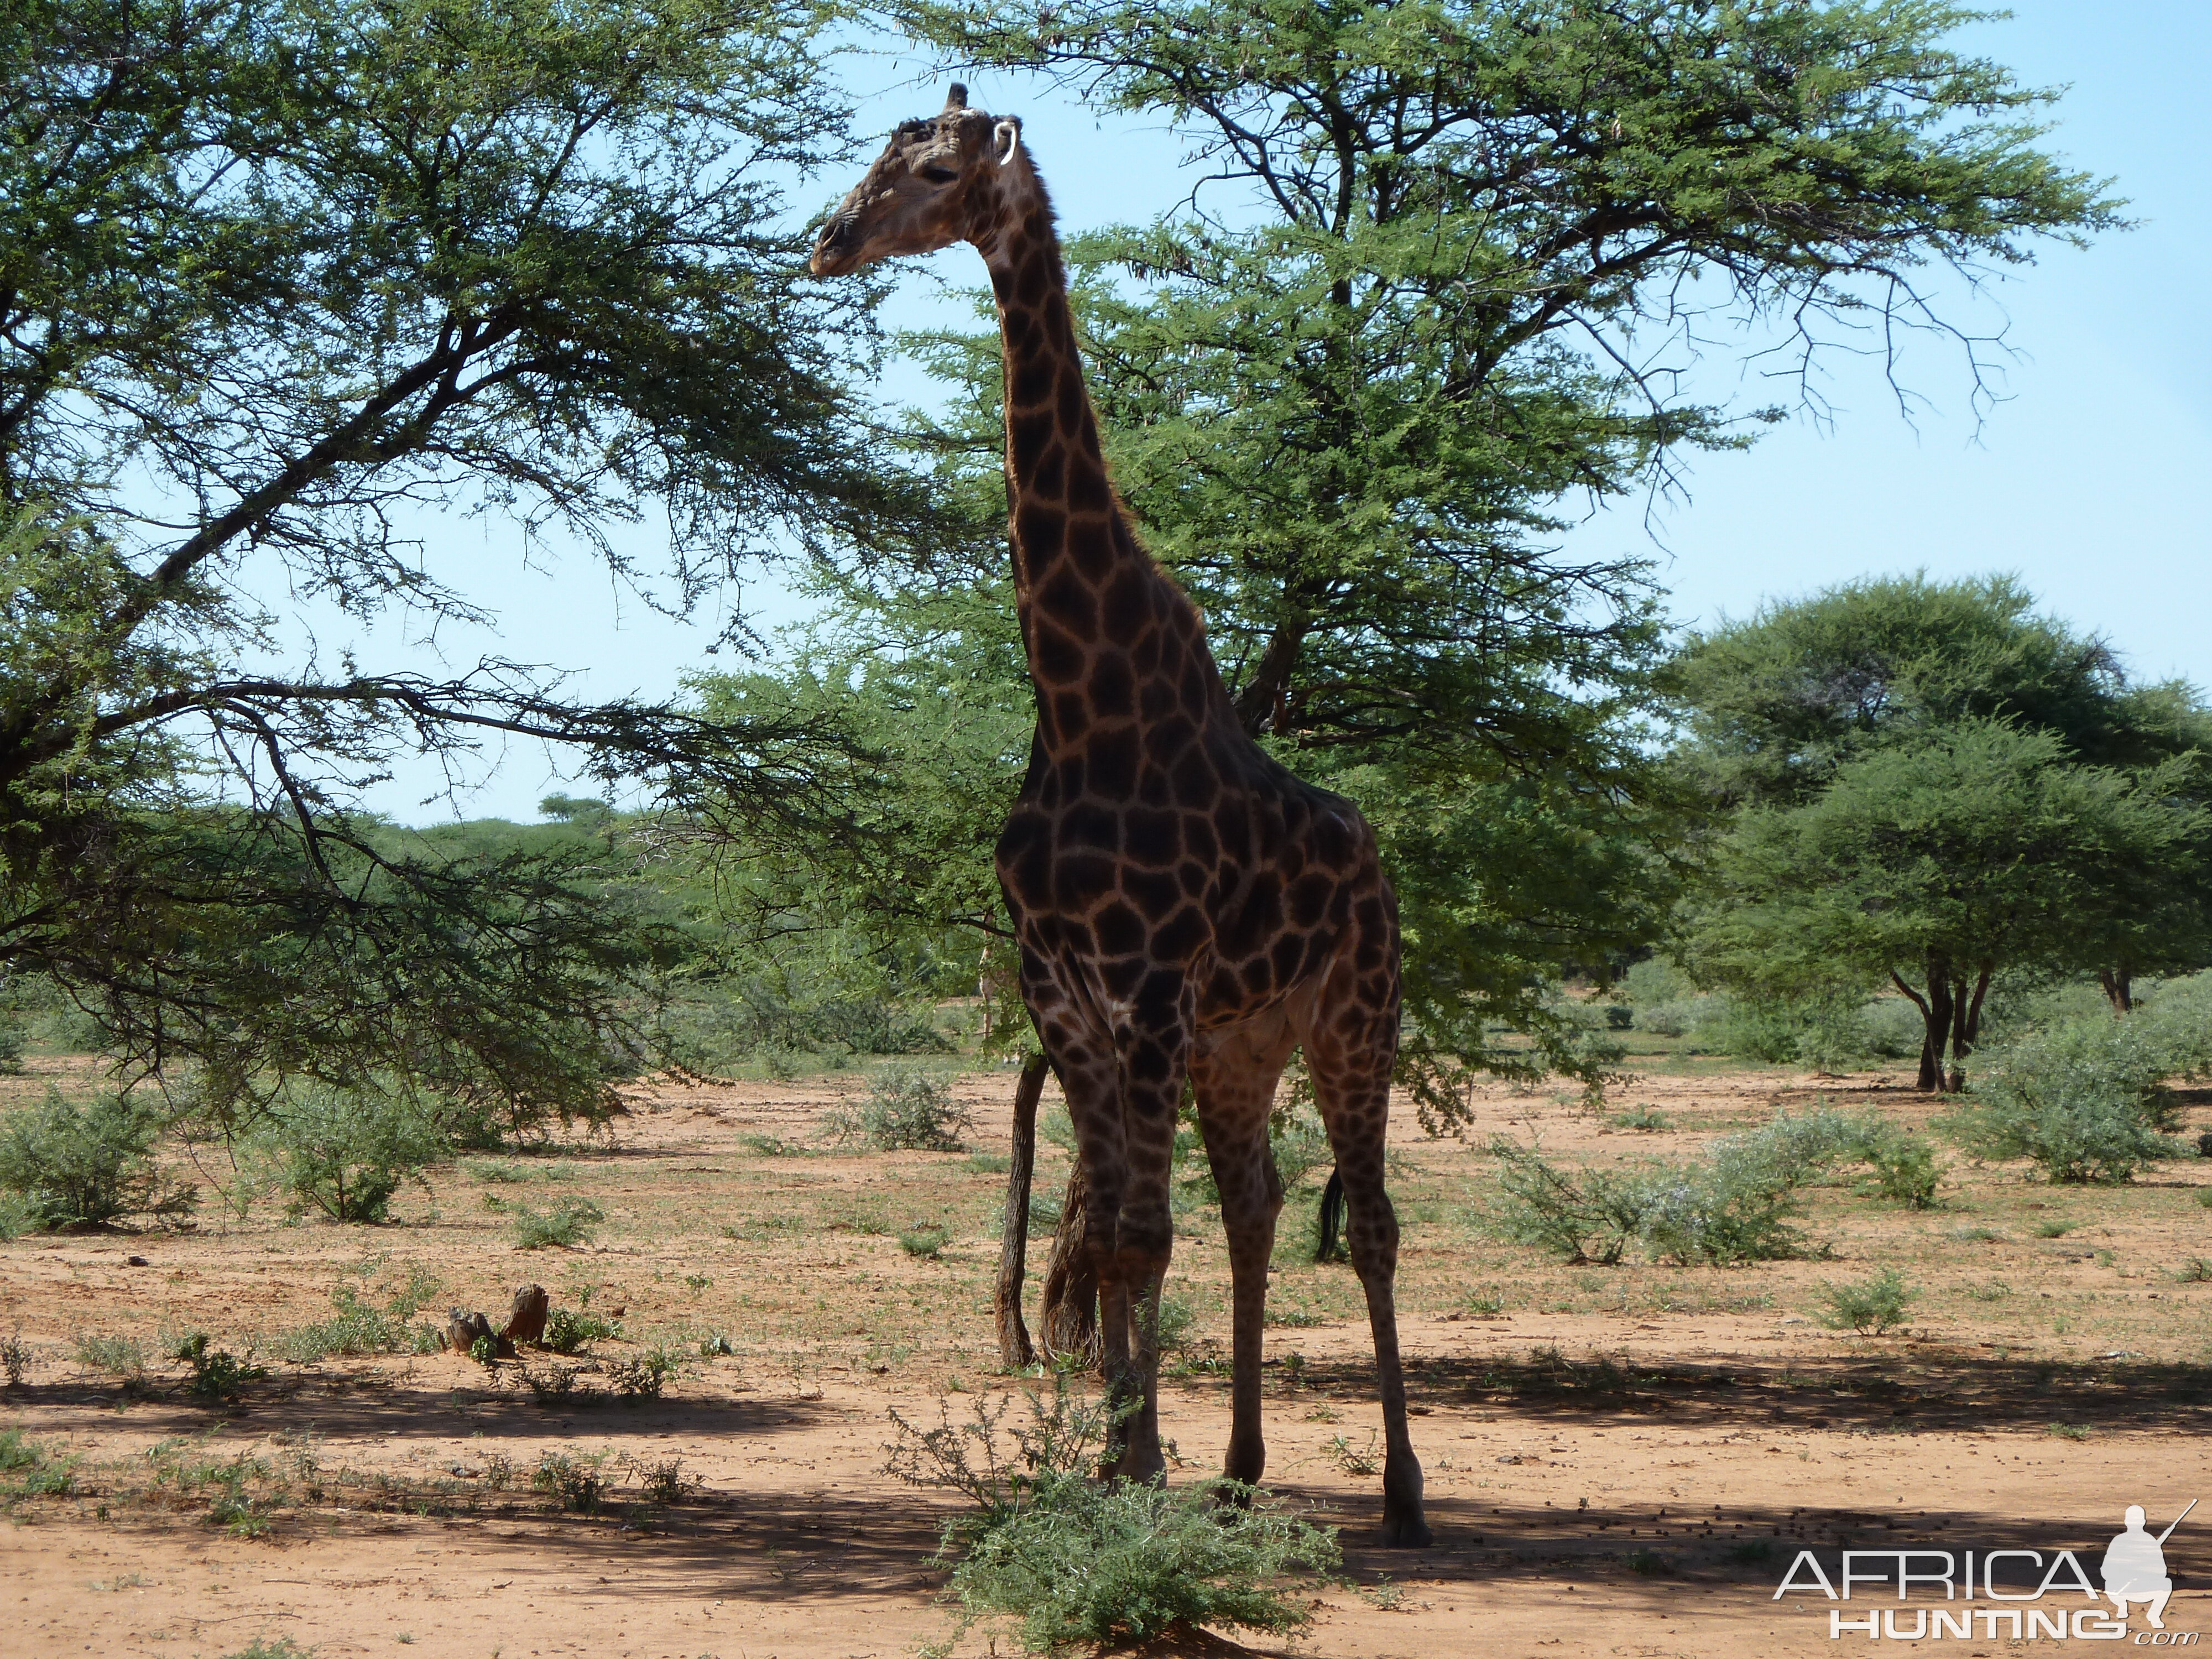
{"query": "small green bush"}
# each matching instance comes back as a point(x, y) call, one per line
point(569, 1223)
point(217, 1374)
point(1905, 1167)
point(262, 1647)
point(119, 1356)
point(1733, 1203)
point(576, 1481)
point(28, 1469)
point(1065, 1559)
point(643, 1378)
point(1872, 1307)
point(2084, 1099)
point(347, 1151)
point(358, 1328)
point(11, 1046)
point(568, 1330)
point(927, 1241)
point(906, 1111)
point(73, 1165)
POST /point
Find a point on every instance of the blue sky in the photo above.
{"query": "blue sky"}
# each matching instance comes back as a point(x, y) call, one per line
point(2092, 479)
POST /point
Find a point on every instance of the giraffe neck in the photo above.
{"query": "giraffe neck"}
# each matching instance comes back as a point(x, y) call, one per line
point(1099, 618)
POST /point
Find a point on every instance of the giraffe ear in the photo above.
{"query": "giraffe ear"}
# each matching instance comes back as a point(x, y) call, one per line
point(1006, 138)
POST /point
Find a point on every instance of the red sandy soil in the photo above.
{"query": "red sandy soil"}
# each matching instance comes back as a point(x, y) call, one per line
point(1593, 1474)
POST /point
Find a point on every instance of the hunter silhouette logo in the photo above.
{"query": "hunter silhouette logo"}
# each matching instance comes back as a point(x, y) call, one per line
point(2135, 1566)
point(2134, 1572)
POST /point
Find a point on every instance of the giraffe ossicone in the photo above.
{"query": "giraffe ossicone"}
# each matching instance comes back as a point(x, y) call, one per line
point(1185, 907)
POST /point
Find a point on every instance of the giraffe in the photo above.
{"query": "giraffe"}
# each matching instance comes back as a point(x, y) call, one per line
point(1185, 908)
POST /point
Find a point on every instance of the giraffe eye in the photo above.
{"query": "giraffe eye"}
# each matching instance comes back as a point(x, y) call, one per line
point(938, 175)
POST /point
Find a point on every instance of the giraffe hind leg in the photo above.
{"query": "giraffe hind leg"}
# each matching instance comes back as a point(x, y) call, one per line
point(1352, 1084)
point(1234, 1082)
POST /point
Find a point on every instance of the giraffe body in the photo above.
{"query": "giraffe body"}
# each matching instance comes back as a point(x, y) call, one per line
point(1185, 907)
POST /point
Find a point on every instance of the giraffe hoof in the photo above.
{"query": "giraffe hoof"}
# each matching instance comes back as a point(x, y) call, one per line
point(1406, 1532)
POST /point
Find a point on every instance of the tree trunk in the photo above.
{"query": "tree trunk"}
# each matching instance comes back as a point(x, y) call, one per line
point(1927, 1079)
point(2118, 983)
point(1068, 1319)
point(1014, 1349)
point(1937, 1011)
point(1962, 1006)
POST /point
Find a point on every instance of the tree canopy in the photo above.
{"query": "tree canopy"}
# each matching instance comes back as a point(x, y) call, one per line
point(1443, 266)
point(1931, 783)
point(277, 282)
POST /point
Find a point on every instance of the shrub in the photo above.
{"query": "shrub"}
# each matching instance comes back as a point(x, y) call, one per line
point(1871, 1307)
point(570, 1331)
point(217, 1374)
point(89, 1166)
point(571, 1223)
point(1732, 1205)
point(11, 1045)
point(574, 1481)
point(642, 1378)
point(1590, 1216)
point(1119, 1563)
point(927, 1241)
point(15, 1360)
point(1905, 1168)
point(28, 1469)
point(119, 1356)
point(905, 1111)
point(359, 1328)
point(1068, 1560)
point(2085, 1100)
point(347, 1151)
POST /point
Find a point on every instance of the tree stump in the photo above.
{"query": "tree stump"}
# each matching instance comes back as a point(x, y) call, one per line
point(465, 1329)
point(525, 1320)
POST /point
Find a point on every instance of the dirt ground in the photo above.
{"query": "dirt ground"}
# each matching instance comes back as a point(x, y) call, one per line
point(1620, 1461)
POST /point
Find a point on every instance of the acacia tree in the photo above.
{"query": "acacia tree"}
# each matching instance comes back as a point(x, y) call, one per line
point(1946, 857)
point(1985, 786)
point(277, 278)
point(1444, 262)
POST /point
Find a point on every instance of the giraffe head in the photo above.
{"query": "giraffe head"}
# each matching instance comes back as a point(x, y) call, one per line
point(938, 182)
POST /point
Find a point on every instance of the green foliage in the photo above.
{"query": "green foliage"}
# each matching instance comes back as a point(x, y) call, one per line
point(89, 1164)
point(1068, 1560)
point(576, 1481)
point(119, 1356)
point(571, 1222)
point(357, 1327)
point(568, 1330)
point(347, 1149)
point(332, 267)
point(1733, 1203)
point(1905, 1167)
point(905, 1111)
point(28, 1469)
point(2085, 1100)
point(217, 1374)
point(643, 1378)
point(280, 1647)
point(1119, 1563)
point(1347, 399)
point(927, 1241)
point(1931, 784)
point(1872, 1307)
